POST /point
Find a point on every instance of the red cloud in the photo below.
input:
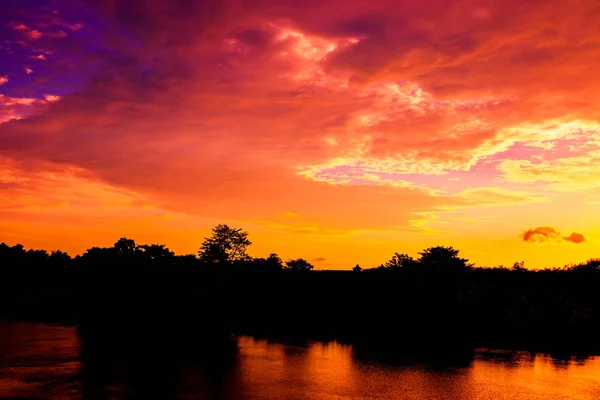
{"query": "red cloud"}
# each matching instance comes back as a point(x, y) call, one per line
point(214, 107)
point(429, 81)
point(545, 234)
point(575, 238)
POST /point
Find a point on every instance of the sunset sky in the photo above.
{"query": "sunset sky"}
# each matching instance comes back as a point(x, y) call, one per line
point(340, 131)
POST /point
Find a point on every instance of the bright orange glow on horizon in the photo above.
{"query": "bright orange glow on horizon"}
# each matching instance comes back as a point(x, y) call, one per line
point(338, 131)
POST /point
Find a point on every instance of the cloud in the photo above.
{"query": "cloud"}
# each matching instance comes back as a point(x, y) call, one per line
point(575, 238)
point(3, 80)
point(253, 111)
point(541, 234)
point(350, 115)
point(319, 259)
point(405, 119)
point(51, 98)
point(41, 56)
point(35, 34)
point(546, 234)
point(15, 108)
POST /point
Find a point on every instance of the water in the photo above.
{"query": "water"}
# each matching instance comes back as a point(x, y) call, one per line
point(43, 361)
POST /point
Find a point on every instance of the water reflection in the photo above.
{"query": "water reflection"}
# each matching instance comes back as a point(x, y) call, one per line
point(158, 364)
point(41, 361)
point(38, 361)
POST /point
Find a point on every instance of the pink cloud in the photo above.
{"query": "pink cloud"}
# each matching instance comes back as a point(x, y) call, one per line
point(15, 108)
point(29, 32)
point(75, 27)
point(3, 80)
point(35, 34)
point(51, 98)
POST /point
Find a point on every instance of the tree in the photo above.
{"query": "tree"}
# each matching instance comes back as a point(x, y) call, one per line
point(226, 245)
point(155, 251)
point(186, 260)
point(58, 256)
point(441, 258)
point(357, 268)
point(36, 258)
point(519, 266)
point(99, 253)
point(400, 261)
point(298, 265)
point(270, 264)
point(590, 266)
point(125, 247)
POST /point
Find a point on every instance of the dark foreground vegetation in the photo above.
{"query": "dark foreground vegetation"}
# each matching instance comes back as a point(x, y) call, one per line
point(438, 302)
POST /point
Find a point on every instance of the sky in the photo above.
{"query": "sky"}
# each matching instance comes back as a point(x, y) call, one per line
point(340, 131)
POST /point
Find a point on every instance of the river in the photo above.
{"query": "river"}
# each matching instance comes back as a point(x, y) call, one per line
point(44, 362)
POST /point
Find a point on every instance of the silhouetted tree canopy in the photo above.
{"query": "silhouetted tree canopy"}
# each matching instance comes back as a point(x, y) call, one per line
point(299, 265)
point(270, 264)
point(125, 247)
point(400, 261)
point(441, 258)
point(226, 245)
point(58, 256)
point(519, 266)
point(155, 251)
point(403, 302)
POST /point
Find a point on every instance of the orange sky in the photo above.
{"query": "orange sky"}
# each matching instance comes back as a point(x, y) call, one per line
point(340, 131)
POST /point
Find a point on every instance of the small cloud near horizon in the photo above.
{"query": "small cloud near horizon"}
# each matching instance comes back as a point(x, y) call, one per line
point(575, 238)
point(545, 234)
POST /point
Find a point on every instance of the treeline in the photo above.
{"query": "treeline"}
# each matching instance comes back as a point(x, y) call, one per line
point(438, 301)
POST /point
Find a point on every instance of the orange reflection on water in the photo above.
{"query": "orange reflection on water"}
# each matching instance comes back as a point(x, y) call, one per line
point(35, 357)
point(525, 375)
point(43, 361)
point(305, 369)
point(328, 367)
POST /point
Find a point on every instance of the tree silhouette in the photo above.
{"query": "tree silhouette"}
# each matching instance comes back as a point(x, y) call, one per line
point(441, 258)
point(36, 257)
point(400, 261)
point(99, 253)
point(125, 247)
point(590, 266)
point(226, 245)
point(57, 256)
point(269, 264)
point(299, 265)
point(128, 284)
point(155, 251)
point(519, 266)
